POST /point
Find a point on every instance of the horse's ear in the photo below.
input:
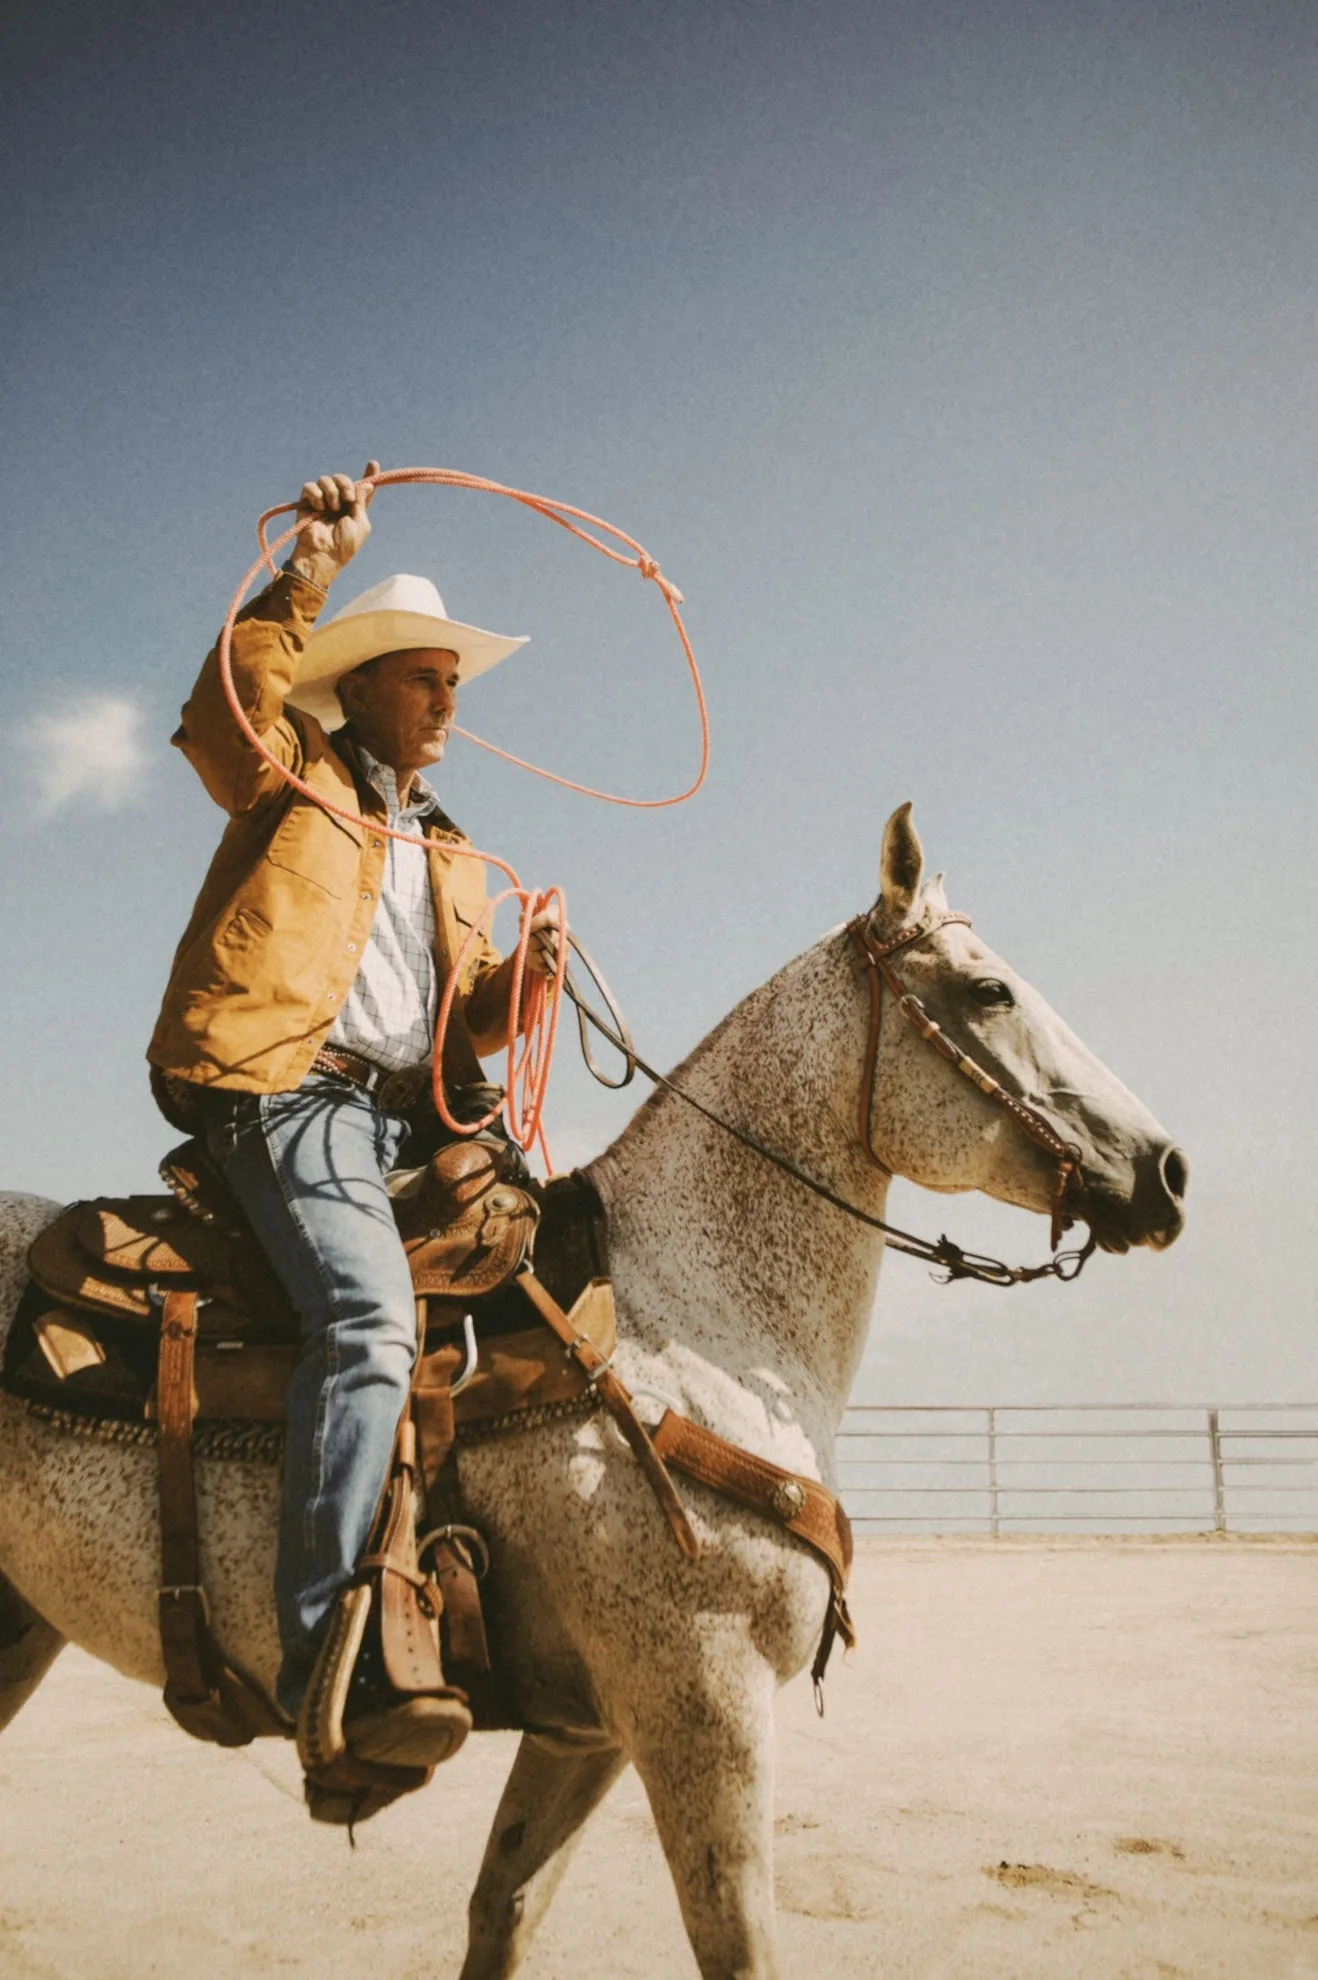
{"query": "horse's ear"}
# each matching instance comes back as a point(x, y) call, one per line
point(901, 867)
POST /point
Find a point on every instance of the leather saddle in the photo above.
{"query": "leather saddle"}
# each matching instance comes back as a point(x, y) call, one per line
point(466, 1230)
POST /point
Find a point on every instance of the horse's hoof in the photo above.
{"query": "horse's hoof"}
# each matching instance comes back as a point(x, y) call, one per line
point(414, 1732)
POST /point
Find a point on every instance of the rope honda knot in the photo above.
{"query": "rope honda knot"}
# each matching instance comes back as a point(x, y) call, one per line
point(648, 568)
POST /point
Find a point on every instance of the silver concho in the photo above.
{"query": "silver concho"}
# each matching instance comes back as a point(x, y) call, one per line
point(789, 1499)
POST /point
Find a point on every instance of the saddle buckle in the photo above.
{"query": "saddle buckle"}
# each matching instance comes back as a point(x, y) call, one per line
point(175, 1591)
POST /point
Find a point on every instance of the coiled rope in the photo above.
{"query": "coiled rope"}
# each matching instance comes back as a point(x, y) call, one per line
point(534, 999)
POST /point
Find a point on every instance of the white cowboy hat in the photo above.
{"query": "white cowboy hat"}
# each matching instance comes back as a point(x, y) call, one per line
point(399, 612)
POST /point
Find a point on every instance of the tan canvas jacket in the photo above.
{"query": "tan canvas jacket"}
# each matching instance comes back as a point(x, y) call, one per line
point(279, 927)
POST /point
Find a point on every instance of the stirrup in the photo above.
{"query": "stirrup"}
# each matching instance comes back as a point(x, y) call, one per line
point(341, 1789)
point(320, 1740)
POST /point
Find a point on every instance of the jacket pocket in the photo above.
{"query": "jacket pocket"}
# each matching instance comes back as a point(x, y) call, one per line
point(308, 843)
point(222, 959)
point(465, 887)
point(244, 931)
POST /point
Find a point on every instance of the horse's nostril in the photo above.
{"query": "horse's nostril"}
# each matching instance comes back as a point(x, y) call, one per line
point(1175, 1174)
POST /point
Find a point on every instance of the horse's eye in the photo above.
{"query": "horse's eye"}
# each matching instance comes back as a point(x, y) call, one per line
point(991, 990)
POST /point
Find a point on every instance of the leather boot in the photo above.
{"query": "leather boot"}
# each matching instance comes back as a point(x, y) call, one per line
point(409, 1732)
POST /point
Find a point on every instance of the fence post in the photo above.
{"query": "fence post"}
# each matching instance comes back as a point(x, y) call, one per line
point(993, 1473)
point(1219, 1490)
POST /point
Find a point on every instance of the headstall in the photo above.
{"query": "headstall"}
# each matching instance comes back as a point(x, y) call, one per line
point(952, 1260)
point(877, 957)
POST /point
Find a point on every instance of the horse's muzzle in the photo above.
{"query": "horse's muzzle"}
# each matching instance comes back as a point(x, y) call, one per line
point(1152, 1212)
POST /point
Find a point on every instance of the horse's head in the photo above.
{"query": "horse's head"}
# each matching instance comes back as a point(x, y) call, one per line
point(936, 1125)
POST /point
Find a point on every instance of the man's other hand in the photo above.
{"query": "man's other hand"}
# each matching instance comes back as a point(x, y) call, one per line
point(542, 952)
point(333, 510)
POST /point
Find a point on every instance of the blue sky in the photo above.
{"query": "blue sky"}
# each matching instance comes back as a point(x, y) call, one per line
point(957, 362)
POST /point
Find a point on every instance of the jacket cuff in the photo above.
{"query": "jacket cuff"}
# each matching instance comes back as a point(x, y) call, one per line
point(287, 600)
point(289, 569)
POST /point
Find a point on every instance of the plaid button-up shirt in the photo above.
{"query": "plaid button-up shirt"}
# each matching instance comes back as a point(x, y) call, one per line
point(389, 1014)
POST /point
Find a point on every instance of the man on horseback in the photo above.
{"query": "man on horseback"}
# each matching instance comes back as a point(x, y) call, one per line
point(297, 1028)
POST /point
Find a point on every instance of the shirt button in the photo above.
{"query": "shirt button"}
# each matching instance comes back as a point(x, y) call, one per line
point(377, 845)
point(367, 895)
point(352, 948)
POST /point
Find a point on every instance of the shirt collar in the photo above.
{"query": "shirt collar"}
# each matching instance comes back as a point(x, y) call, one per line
point(423, 802)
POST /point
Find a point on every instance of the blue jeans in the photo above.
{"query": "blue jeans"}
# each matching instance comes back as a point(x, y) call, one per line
point(308, 1168)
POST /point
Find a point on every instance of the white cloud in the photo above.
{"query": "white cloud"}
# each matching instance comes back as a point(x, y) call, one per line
point(90, 749)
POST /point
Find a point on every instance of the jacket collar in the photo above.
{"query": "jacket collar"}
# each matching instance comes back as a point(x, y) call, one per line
point(377, 784)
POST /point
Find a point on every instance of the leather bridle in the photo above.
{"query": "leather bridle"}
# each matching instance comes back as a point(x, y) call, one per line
point(877, 956)
point(953, 1261)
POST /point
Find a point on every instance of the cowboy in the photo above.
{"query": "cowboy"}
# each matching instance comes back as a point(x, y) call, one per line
point(298, 1024)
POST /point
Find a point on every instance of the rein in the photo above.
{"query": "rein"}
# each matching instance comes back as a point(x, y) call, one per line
point(953, 1261)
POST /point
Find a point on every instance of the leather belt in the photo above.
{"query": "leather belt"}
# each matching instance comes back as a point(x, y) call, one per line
point(393, 1092)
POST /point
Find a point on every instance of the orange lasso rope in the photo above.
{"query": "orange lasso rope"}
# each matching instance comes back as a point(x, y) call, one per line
point(534, 1000)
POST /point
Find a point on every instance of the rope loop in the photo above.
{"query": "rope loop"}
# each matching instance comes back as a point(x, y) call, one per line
point(534, 999)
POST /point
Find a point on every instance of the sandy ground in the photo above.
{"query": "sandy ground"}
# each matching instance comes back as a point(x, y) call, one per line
point(1049, 1760)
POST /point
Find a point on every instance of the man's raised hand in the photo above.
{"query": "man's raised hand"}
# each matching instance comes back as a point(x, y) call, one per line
point(332, 510)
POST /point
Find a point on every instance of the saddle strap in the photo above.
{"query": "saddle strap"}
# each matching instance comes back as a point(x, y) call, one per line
point(465, 1650)
point(466, 1645)
point(209, 1697)
point(802, 1505)
point(409, 1621)
point(183, 1614)
point(618, 1403)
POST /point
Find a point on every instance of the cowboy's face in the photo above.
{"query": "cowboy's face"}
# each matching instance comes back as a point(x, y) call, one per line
point(402, 705)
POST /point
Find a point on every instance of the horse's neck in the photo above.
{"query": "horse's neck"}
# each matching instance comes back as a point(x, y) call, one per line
point(716, 1251)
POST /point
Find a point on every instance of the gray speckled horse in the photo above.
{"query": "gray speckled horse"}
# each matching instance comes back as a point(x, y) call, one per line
point(740, 1296)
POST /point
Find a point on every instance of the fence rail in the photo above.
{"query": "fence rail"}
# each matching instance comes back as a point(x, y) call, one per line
point(1120, 1468)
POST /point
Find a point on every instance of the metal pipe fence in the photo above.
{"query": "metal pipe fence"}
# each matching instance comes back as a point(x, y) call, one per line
point(1119, 1468)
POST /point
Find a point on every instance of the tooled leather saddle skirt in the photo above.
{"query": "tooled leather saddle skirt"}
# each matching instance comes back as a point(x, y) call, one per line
point(86, 1335)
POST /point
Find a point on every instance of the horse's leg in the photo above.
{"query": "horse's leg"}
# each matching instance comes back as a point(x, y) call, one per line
point(536, 1826)
point(28, 1648)
point(705, 1753)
